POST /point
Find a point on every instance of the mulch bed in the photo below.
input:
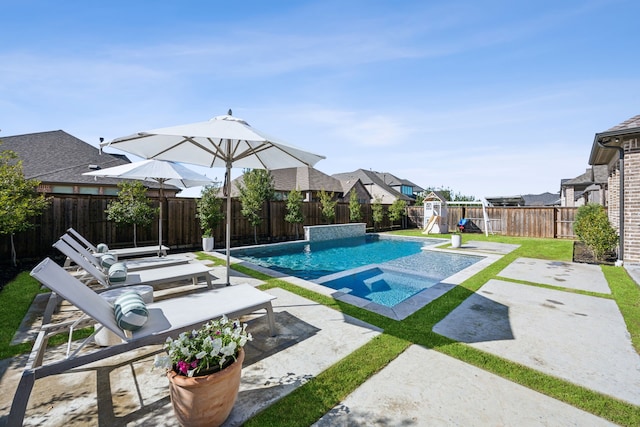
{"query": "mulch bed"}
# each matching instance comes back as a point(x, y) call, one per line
point(8, 272)
point(582, 253)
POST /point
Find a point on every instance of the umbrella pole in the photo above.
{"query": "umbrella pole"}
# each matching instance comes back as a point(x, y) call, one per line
point(160, 221)
point(228, 230)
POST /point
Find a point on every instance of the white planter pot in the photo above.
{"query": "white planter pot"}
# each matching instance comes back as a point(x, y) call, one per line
point(207, 244)
point(456, 240)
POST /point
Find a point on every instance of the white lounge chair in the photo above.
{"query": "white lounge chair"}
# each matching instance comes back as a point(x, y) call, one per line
point(167, 318)
point(124, 252)
point(132, 264)
point(150, 276)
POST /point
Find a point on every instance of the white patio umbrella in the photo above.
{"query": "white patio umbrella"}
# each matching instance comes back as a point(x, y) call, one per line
point(160, 171)
point(224, 141)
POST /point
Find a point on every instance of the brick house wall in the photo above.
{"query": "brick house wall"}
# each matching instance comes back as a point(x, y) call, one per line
point(631, 253)
point(632, 204)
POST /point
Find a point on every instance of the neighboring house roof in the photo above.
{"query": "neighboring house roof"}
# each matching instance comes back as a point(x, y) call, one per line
point(370, 178)
point(303, 178)
point(597, 174)
point(393, 181)
point(614, 137)
point(55, 157)
point(544, 199)
point(505, 200)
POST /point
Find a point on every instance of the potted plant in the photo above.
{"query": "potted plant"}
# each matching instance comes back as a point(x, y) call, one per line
point(209, 212)
point(204, 368)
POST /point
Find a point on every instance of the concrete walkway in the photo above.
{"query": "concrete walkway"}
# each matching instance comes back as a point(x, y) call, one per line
point(579, 338)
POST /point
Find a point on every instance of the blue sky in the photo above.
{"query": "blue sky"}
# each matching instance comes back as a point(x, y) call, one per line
point(485, 98)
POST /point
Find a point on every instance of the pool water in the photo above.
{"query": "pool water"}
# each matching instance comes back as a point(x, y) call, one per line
point(399, 267)
point(311, 261)
point(382, 285)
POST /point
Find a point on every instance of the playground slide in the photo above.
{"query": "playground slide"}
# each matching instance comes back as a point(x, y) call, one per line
point(430, 224)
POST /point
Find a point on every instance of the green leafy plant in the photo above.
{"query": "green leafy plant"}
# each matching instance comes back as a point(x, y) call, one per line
point(377, 211)
point(19, 199)
point(592, 227)
point(209, 209)
point(204, 351)
point(328, 206)
point(133, 207)
point(256, 188)
point(294, 209)
point(397, 210)
point(355, 210)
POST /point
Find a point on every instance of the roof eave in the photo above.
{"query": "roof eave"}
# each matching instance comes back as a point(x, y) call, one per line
point(613, 138)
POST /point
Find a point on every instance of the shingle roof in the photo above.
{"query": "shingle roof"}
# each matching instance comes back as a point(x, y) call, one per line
point(57, 157)
point(597, 174)
point(392, 180)
point(369, 178)
point(633, 122)
point(305, 179)
point(613, 137)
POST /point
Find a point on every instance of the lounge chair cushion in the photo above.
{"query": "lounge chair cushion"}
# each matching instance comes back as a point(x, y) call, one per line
point(130, 311)
point(118, 273)
point(107, 260)
point(102, 248)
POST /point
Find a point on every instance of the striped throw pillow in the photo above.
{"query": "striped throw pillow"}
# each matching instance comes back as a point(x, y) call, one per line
point(107, 260)
point(102, 248)
point(130, 311)
point(117, 273)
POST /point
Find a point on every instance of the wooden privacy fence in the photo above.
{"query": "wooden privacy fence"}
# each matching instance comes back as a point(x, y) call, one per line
point(517, 221)
point(181, 230)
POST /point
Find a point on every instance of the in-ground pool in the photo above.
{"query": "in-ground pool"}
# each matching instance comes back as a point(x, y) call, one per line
point(381, 269)
point(380, 285)
point(311, 261)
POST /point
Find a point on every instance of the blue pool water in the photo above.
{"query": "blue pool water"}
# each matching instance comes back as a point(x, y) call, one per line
point(311, 261)
point(385, 286)
point(381, 285)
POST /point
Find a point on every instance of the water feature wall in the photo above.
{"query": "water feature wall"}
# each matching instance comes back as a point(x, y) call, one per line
point(318, 233)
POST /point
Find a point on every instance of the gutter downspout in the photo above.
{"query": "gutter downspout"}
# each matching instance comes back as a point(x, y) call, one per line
point(621, 225)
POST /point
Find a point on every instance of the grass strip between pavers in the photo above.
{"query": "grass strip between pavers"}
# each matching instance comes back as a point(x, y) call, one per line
point(331, 386)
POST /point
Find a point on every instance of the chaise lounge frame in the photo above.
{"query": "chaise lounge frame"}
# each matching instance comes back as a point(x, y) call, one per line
point(167, 318)
point(124, 252)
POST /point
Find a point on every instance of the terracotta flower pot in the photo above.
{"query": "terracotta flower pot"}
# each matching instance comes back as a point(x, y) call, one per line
point(205, 400)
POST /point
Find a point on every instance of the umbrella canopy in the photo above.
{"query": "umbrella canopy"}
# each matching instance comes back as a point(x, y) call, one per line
point(224, 141)
point(163, 172)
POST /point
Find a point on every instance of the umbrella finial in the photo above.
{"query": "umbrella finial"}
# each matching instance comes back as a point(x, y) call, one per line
point(229, 112)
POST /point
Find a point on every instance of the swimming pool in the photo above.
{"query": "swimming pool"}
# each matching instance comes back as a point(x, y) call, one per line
point(384, 270)
point(312, 261)
point(381, 285)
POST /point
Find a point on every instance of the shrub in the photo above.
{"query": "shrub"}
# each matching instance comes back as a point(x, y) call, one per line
point(592, 227)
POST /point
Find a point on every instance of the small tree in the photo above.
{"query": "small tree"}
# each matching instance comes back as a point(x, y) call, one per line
point(377, 211)
point(132, 207)
point(19, 199)
point(294, 209)
point(397, 210)
point(209, 208)
point(592, 227)
point(257, 188)
point(328, 206)
point(355, 210)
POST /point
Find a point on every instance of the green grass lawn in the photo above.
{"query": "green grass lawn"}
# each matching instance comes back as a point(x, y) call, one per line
point(320, 394)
